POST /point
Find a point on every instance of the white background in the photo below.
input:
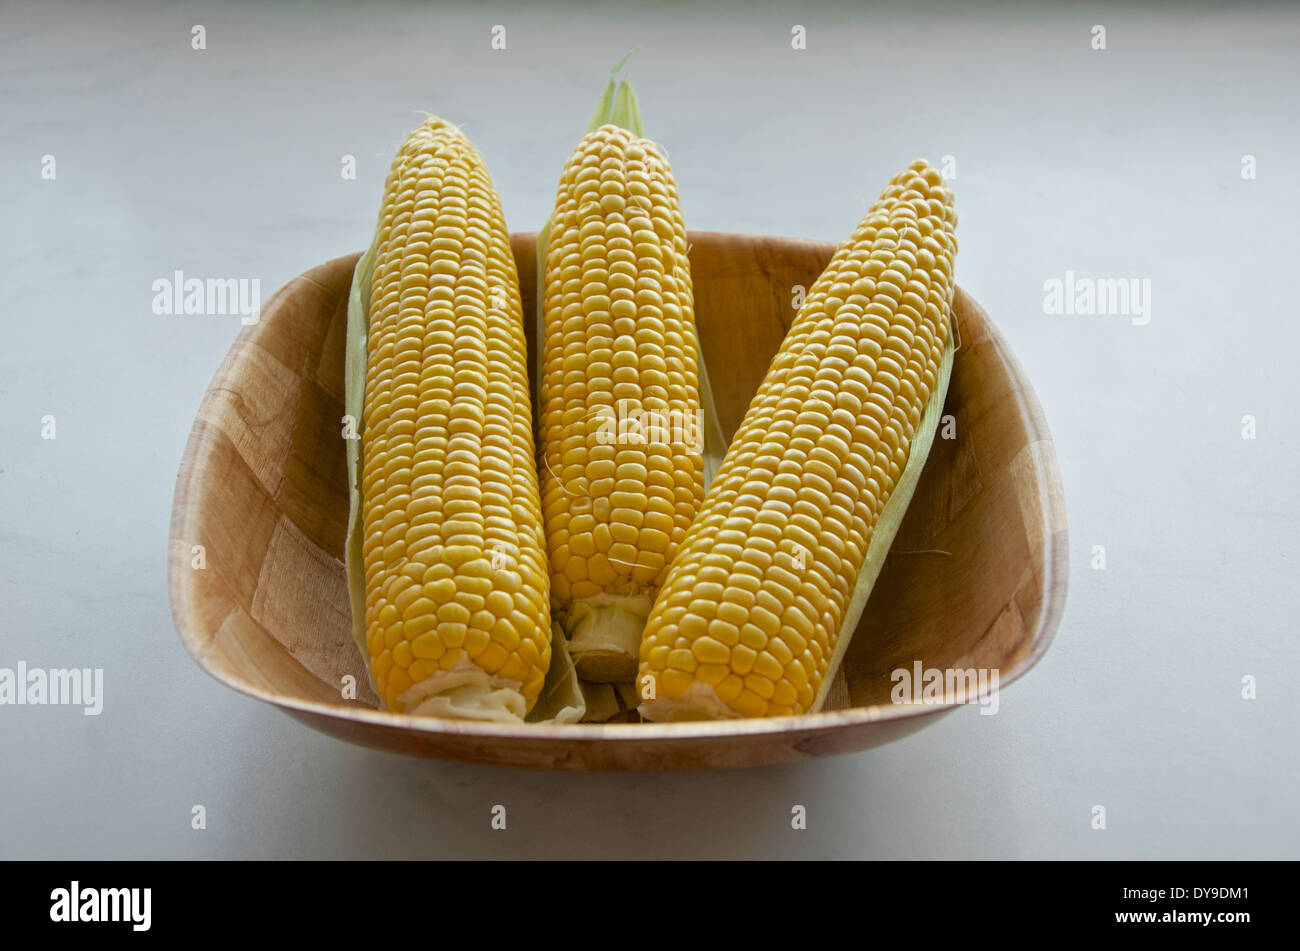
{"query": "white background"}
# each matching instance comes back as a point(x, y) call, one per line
point(226, 162)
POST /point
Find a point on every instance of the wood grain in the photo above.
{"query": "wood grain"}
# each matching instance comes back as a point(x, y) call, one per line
point(976, 577)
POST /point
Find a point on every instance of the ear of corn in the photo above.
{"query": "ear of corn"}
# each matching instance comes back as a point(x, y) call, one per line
point(628, 433)
point(759, 605)
point(445, 552)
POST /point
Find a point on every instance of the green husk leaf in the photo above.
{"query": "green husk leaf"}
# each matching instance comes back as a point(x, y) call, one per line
point(715, 444)
point(560, 700)
point(602, 701)
point(608, 700)
point(627, 111)
point(604, 105)
point(354, 388)
point(614, 627)
point(882, 537)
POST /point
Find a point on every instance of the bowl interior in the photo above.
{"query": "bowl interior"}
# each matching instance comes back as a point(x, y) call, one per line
point(975, 577)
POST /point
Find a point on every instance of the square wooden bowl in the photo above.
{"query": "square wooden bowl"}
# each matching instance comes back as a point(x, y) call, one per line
point(976, 577)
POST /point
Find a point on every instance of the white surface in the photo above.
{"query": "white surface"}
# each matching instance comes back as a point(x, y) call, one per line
point(225, 162)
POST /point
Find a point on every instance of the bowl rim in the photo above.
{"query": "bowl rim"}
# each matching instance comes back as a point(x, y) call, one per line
point(1053, 564)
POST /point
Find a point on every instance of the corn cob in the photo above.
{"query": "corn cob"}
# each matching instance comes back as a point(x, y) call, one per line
point(622, 424)
point(761, 601)
point(450, 588)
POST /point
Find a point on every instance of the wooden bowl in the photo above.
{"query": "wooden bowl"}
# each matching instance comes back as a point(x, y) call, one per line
point(976, 577)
